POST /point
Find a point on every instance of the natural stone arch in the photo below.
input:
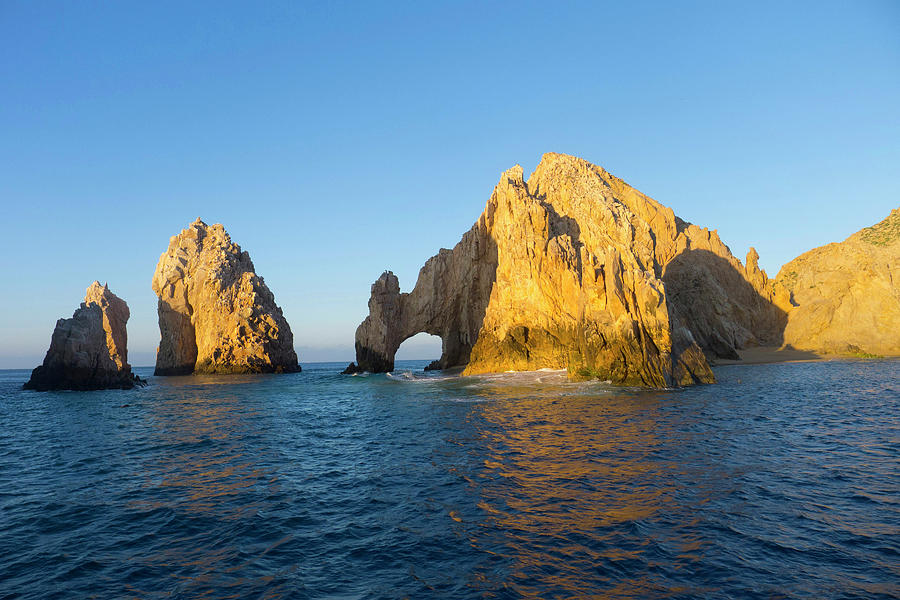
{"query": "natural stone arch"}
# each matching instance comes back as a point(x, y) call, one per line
point(569, 270)
point(449, 301)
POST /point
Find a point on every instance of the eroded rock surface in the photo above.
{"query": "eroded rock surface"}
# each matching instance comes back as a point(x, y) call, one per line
point(216, 315)
point(845, 297)
point(88, 351)
point(571, 270)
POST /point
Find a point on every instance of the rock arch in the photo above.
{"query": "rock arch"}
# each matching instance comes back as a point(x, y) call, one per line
point(449, 300)
point(569, 270)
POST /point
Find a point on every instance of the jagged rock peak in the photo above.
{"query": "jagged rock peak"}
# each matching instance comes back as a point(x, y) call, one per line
point(115, 316)
point(514, 174)
point(216, 315)
point(88, 351)
point(573, 269)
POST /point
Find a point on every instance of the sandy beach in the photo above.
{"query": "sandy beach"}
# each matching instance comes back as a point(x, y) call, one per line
point(774, 354)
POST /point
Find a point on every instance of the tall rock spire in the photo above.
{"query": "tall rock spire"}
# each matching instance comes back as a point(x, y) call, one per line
point(216, 315)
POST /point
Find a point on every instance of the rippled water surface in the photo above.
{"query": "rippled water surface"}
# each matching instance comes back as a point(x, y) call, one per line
point(781, 481)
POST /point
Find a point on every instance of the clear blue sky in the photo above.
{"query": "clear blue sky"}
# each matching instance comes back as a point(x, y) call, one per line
point(337, 140)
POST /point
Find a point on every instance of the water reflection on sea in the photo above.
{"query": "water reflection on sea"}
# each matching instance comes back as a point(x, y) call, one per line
point(781, 481)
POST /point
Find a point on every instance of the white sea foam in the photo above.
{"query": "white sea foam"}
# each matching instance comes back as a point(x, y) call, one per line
point(419, 377)
point(401, 376)
point(540, 377)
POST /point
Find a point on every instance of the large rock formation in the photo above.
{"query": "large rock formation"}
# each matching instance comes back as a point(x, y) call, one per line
point(845, 297)
point(215, 314)
point(571, 270)
point(88, 351)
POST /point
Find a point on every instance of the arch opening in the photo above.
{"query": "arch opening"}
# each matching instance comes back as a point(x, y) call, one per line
point(420, 350)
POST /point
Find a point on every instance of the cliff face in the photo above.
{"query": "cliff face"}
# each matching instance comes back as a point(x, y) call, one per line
point(215, 314)
point(88, 351)
point(573, 269)
point(844, 297)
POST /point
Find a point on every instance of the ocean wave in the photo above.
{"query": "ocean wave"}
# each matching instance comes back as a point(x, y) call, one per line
point(500, 485)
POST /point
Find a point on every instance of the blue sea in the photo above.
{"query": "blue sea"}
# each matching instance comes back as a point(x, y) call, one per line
point(781, 481)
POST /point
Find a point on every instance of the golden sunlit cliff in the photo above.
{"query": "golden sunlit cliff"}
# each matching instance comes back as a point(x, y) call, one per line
point(216, 315)
point(575, 269)
point(844, 298)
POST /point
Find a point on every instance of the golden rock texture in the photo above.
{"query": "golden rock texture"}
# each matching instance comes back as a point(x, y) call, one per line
point(215, 314)
point(575, 269)
point(845, 297)
point(88, 351)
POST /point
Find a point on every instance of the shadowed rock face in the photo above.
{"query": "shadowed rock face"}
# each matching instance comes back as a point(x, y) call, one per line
point(215, 314)
point(844, 297)
point(571, 270)
point(726, 305)
point(88, 351)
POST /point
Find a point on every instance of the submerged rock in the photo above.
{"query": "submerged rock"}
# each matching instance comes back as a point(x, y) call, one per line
point(88, 351)
point(216, 315)
point(575, 269)
point(844, 297)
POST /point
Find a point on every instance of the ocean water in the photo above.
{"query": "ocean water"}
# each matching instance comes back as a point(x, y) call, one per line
point(782, 481)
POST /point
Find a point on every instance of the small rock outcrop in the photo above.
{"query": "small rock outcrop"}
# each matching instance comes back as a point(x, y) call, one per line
point(844, 298)
point(575, 269)
point(88, 351)
point(216, 315)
